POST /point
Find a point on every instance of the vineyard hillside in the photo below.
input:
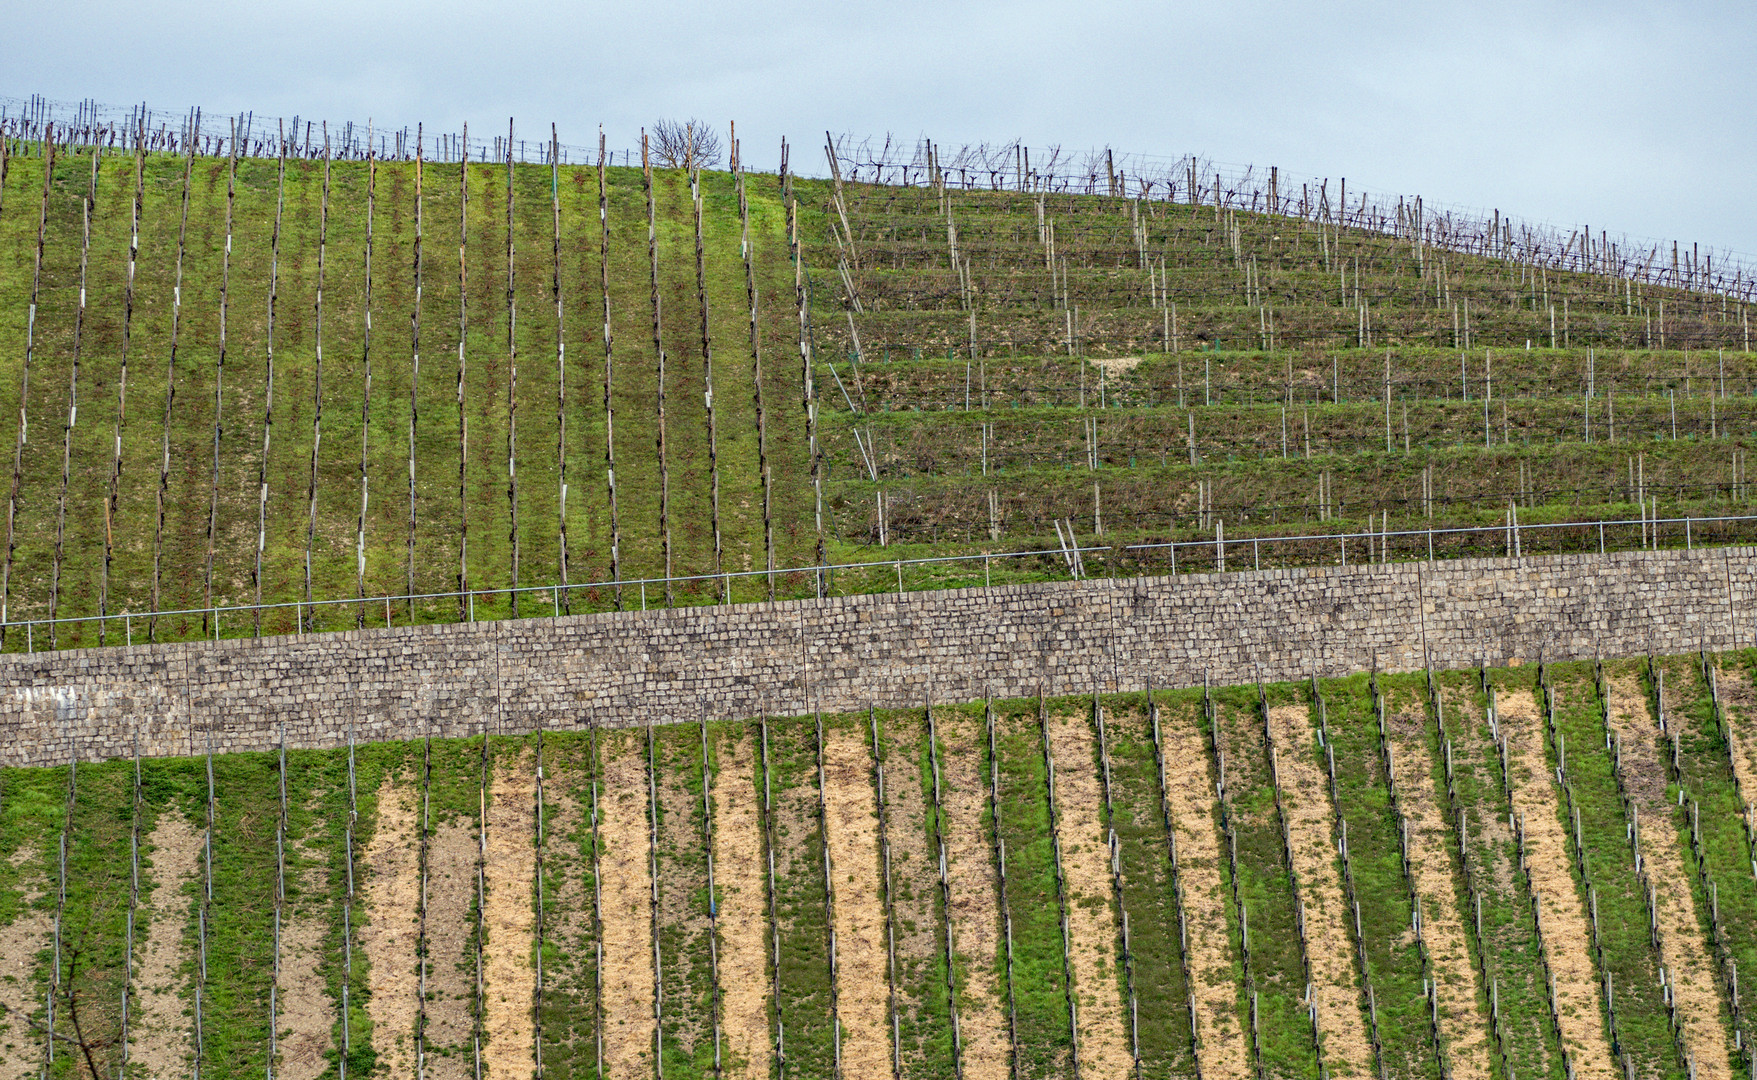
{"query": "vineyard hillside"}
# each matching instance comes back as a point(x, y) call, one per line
point(255, 381)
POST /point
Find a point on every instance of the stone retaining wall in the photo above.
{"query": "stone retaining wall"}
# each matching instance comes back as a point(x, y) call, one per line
point(844, 653)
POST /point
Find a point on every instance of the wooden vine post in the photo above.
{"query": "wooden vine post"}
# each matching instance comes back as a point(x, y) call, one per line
point(714, 1006)
point(463, 579)
point(512, 388)
point(415, 370)
point(829, 879)
point(609, 370)
point(1177, 889)
point(268, 399)
point(939, 839)
point(1116, 880)
point(654, 924)
point(701, 292)
point(308, 617)
point(659, 360)
point(597, 917)
point(540, 849)
point(30, 340)
point(1061, 882)
point(213, 495)
point(1000, 864)
point(756, 373)
point(780, 1032)
point(886, 896)
point(366, 394)
point(85, 245)
point(562, 601)
point(425, 857)
point(133, 909)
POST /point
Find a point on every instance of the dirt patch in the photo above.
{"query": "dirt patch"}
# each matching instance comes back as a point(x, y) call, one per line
point(975, 904)
point(744, 912)
point(1688, 967)
point(626, 911)
point(391, 931)
point(1463, 1027)
point(1566, 941)
point(21, 941)
point(1093, 934)
point(160, 1030)
point(1114, 366)
point(1223, 1052)
point(1739, 699)
point(1305, 798)
point(509, 980)
point(307, 1014)
point(851, 827)
point(686, 978)
point(914, 885)
point(451, 963)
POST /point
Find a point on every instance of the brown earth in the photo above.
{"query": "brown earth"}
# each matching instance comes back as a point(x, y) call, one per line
point(308, 1013)
point(851, 827)
point(683, 882)
point(914, 877)
point(1094, 942)
point(1688, 967)
point(1223, 1052)
point(1738, 699)
point(451, 962)
point(21, 941)
point(159, 1030)
point(1305, 798)
point(1463, 1025)
point(626, 911)
point(390, 932)
point(509, 978)
point(975, 904)
point(1567, 943)
point(1490, 837)
point(741, 879)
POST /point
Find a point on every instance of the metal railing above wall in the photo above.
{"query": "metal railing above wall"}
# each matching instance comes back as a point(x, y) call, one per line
point(1068, 560)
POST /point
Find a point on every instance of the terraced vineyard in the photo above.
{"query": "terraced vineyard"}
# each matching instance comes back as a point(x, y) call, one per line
point(247, 385)
point(1526, 872)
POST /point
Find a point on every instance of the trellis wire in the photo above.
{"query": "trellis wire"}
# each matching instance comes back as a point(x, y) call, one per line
point(1177, 888)
point(1116, 881)
point(774, 922)
point(1061, 884)
point(421, 915)
point(1006, 906)
point(541, 845)
point(713, 895)
point(1299, 906)
point(653, 922)
point(939, 836)
point(133, 906)
point(1170, 548)
point(888, 900)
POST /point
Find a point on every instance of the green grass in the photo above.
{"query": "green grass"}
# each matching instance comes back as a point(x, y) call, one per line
point(1704, 774)
point(1040, 989)
point(240, 934)
point(1624, 949)
point(800, 911)
point(1265, 886)
point(1394, 962)
point(918, 908)
point(1163, 1022)
point(910, 371)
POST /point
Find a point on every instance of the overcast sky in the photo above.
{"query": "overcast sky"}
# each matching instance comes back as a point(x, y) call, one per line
point(1632, 117)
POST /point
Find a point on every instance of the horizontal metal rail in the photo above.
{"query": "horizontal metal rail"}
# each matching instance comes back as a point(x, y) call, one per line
point(1514, 534)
